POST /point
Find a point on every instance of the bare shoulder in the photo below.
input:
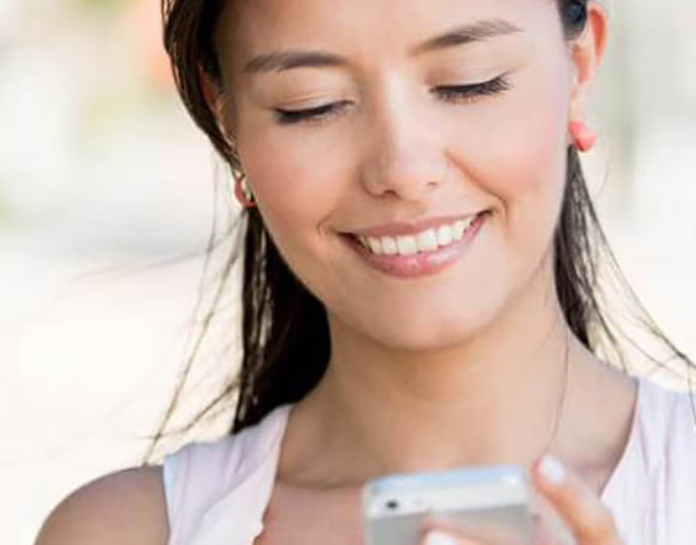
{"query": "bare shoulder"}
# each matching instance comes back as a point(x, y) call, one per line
point(128, 506)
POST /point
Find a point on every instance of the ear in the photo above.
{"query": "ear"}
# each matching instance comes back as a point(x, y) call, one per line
point(587, 52)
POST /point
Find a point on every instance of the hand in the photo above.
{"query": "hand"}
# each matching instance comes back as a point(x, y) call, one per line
point(585, 518)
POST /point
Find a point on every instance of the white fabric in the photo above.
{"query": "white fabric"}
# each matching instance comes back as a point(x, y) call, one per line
point(652, 493)
point(217, 492)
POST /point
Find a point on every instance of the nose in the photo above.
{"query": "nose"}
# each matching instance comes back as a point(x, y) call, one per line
point(404, 157)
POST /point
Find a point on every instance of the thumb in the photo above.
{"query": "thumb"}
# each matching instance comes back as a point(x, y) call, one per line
point(550, 529)
point(440, 537)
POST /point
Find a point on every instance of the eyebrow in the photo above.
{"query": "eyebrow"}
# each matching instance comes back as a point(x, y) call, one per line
point(278, 61)
point(467, 34)
point(287, 60)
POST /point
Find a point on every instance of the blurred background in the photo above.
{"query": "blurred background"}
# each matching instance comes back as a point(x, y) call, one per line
point(107, 200)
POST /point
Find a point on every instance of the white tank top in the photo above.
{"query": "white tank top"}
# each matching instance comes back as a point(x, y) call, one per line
point(217, 492)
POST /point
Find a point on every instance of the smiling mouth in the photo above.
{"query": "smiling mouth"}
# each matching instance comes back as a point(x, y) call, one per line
point(424, 242)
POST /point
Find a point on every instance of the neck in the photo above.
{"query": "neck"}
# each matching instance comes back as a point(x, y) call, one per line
point(494, 399)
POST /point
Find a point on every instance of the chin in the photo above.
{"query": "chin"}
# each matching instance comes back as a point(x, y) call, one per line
point(425, 332)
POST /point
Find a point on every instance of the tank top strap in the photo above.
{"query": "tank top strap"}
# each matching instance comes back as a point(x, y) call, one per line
point(651, 494)
point(217, 491)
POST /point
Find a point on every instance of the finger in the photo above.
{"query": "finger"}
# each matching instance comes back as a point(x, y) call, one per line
point(549, 526)
point(442, 537)
point(582, 510)
point(465, 533)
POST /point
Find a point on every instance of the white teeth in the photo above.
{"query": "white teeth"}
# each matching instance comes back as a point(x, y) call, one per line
point(459, 228)
point(407, 245)
point(426, 241)
point(444, 235)
point(375, 245)
point(389, 246)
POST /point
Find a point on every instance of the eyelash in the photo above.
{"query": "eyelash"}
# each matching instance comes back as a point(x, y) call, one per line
point(470, 93)
point(320, 113)
point(451, 93)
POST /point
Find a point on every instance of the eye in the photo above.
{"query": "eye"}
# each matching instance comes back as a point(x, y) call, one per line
point(317, 114)
point(472, 92)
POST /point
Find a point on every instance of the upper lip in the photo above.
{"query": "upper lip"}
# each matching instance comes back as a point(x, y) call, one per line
point(409, 228)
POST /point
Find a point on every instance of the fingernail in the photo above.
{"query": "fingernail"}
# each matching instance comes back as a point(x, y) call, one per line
point(552, 470)
point(436, 537)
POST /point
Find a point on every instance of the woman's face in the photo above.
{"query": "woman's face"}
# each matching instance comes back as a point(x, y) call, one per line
point(400, 121)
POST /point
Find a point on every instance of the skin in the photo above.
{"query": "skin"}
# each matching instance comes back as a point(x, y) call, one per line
point(479, 348)
point(410, 352)
point(384, 158)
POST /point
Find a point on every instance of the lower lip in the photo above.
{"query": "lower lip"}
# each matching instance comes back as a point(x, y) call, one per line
point(421, 264)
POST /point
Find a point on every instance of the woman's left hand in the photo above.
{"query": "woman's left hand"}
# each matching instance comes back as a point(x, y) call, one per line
point(587, 520)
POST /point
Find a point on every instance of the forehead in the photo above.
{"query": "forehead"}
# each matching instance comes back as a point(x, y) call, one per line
point(384, 26)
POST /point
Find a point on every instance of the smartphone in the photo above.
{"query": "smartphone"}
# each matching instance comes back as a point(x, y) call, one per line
point(491, 504)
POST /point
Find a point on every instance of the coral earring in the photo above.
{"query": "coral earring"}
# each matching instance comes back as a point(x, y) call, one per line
point(583, 138)
point(244, 199)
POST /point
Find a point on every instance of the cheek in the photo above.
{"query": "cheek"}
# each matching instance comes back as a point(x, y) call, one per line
point(296, 190)
point(531, 173)
point(520, 151)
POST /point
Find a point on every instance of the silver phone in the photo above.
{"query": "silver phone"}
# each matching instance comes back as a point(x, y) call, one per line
point(491, 504)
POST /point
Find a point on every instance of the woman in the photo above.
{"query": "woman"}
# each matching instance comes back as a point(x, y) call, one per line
point(414, 164)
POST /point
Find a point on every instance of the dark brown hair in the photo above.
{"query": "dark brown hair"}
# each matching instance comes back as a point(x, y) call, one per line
point(285, 336)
